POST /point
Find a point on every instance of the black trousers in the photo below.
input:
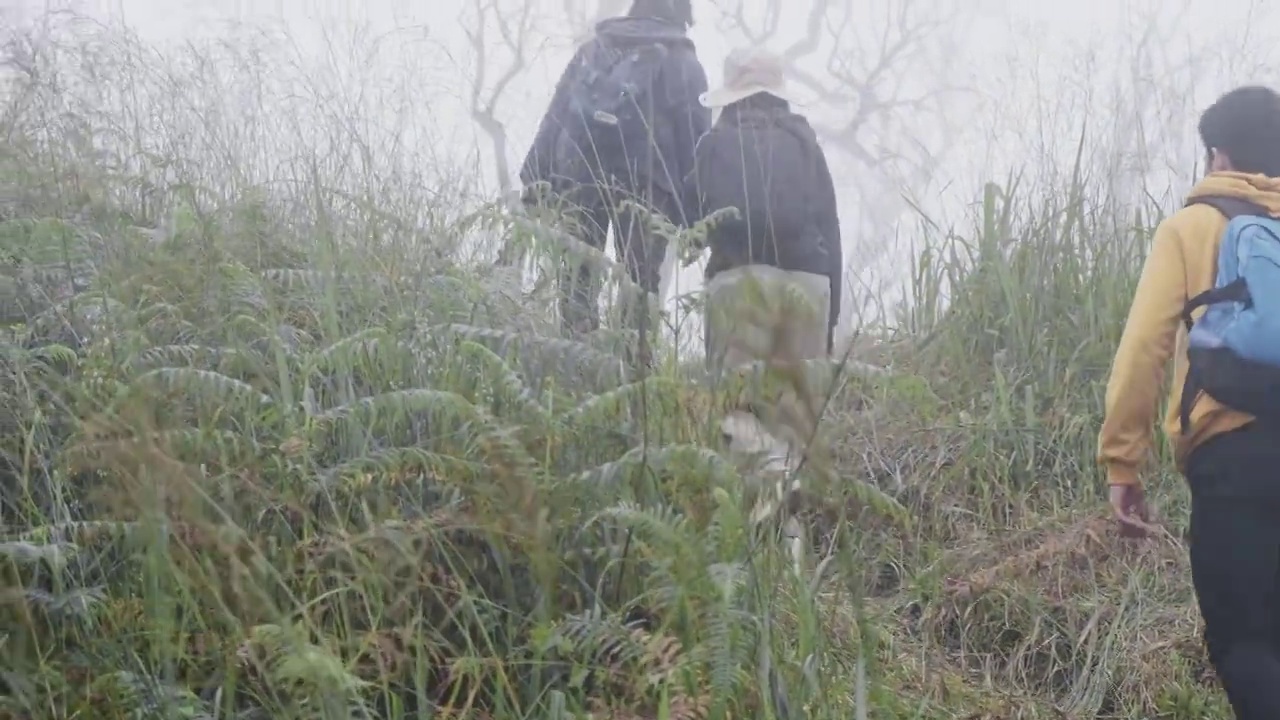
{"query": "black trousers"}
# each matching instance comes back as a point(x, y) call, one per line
point(1235, 563)
point(588, 211)
point(640, 249)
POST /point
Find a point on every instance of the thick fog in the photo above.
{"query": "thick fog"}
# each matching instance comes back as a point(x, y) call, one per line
point(918, 102)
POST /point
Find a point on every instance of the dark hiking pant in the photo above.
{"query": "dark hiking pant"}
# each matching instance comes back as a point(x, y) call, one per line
point(641, 250)
point(1235, 563)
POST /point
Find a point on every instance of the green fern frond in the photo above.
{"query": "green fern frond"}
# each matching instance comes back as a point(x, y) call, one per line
point(447, 284)
point(727, 652)
point(148, 698)
point(314, 280)
point(506, 344)
point(202, 384)
point(189, 355)
point(551, 237)
point(294, 278)
point(867, 495)
point(601, 641)
point(38, 365)
point(43, 242)
point(672, 458)
point(67, 604)
point(190, 444)
point(364, 348)
point(156, 314)
point(84, 533)
point(53, 353)
point(478, 426)
point(607, 408)
point(663, 525)
point(21, 552)
point(403, 403)
point(729, 578)
point(292, 661)
point(250, 326)
point(508, 381)
point(402, 460)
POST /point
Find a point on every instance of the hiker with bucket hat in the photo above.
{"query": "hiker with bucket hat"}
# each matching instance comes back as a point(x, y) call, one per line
point(773, 277)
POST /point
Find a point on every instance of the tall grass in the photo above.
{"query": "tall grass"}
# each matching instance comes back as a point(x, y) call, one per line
point(272, 448)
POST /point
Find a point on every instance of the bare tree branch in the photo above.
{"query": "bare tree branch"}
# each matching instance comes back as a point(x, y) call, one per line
point(484, 105)
point(501, 31)
point(735, 20)
point(867, 76)
point(879, 76)
point(808, 44)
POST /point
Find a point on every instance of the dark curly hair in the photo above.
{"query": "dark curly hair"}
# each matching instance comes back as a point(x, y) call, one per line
point(1245, 124)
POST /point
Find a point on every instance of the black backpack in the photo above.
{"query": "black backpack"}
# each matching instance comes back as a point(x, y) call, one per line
point(737, 164)
point(609, 116)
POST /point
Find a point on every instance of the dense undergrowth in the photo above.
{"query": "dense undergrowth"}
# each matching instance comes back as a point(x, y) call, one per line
point(277, 453)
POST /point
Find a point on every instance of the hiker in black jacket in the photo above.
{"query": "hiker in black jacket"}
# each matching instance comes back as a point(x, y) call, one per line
point(641, 73)
point(763, 160)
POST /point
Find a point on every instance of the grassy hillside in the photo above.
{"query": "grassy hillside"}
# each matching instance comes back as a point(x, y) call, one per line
point(275, 449)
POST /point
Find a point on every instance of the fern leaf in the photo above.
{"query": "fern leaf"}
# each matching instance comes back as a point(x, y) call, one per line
point(662, 524)
point(55, 555)
point(605, 408)
point(206, 384)
point(508, 381)
point(403, 403)
point(351, 351)
point(396, 461)
point(189, 355)
point(481, 427)
point(686, 457)
point(188, 444)
point(506, 343)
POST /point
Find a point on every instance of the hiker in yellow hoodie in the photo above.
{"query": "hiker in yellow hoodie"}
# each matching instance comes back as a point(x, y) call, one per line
point(1230, 459)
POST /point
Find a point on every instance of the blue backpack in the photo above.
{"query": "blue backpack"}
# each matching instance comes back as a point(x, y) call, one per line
point(610, 112)
point(1234, 348)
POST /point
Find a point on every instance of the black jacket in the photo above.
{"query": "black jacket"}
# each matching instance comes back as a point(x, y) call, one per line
point(680, 118)
point(803, 232)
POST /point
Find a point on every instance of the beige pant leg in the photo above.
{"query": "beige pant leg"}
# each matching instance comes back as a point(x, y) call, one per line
point(759, 313)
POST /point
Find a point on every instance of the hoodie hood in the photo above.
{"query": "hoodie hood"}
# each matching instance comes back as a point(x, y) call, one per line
point(767, 110)
point(639, 30)
point(761, 103)
point(1260, 190)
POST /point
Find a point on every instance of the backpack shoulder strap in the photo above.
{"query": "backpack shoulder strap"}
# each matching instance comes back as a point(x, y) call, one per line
point(598, 56)
point(645, 62)
point(654, 57)
point(1230, 207)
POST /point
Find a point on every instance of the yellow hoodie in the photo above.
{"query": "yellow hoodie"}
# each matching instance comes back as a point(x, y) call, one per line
point(1182, 263)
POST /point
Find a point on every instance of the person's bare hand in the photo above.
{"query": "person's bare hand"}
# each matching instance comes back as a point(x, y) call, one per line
point(1129, 506)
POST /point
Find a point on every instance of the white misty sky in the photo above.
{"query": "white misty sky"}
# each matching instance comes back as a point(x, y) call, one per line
point(1021, 55)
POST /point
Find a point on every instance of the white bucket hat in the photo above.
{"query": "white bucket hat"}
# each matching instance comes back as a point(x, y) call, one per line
point(748, 71)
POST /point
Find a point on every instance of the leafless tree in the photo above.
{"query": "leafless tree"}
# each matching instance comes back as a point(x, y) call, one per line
point(492, 75)
point(883, 89)
point(1131, 92)
point(1167, 85)
point(863, 80)
point(503, 36)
